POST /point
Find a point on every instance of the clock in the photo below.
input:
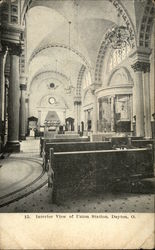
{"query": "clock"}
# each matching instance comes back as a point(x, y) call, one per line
point(51, 100)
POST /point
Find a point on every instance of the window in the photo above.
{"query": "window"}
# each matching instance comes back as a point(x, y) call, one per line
point(117, 56)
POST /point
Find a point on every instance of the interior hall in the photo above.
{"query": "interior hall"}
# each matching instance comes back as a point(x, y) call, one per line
point(77, 106)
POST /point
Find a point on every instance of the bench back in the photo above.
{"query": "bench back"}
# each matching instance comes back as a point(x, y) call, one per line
point(77, 173)
point(141, 143)
point(73, 146)
point(43, 141)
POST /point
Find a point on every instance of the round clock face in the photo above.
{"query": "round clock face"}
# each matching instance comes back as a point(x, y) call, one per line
point(51, 100)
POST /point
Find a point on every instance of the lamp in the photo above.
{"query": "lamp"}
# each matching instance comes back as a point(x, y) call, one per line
point(119, 36)
point(70, 87)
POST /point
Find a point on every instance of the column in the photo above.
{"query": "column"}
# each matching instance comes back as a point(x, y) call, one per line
point(6, 110)
point(79, 115)
point(27, 114)
point(147, 104)
point(64, 121)
point(39, 119)
point(77, 106)
point(138, 68)
point(13, 102)
point(112, 113)
point(2, 95)
point(85, 122)
point(131, 111)
point(75, 117)
point(94, 118)
point(22, 112)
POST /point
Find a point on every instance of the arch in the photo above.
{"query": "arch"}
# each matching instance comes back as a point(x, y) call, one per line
point(26, 5)
point(124, 13)
point(49, 71)
point(105, 42)
point(123, 72)
point(79, 80)
point(54, 45)
point(57, 97)
point(146, 24)
point(87, 91)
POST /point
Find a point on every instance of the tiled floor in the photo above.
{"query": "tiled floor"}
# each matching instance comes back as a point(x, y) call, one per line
point(40, 200)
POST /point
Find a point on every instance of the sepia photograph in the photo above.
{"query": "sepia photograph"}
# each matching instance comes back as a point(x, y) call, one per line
point(77, 108)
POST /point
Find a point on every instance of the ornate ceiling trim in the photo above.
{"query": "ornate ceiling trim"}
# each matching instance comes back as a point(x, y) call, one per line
point(57, 45)
point(146, 25)
point(49, 71)
point(79, 80)
point(125, 15)
point(105, 42)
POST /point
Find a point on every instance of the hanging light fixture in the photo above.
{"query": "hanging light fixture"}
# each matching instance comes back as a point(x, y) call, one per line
point(70, 87)
point(119, 36)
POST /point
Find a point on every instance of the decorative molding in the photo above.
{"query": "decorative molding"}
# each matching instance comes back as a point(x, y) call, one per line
point(57, 45)
point(79, 80)
point(105, 43)
point(141, 66)
point(14, 49)
point(23, 87)
point(144, 37)
point(77, 103)
point(49, 71)
point(147, 67)
point(123, 12)
point(3, 48)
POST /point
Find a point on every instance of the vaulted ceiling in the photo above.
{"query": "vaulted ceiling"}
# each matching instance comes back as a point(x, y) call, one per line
point(48, 42)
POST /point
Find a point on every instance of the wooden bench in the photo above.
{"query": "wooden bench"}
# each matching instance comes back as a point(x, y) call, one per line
point(73, 146)
point(43, 141)
point(84, 173)
point(142, 143)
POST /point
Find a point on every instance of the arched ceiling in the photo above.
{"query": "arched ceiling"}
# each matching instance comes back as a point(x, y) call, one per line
point(47, 31)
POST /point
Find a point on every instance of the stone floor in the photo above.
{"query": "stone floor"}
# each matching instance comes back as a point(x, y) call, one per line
point(20, 169)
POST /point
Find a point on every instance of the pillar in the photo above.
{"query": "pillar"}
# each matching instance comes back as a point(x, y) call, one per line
point(13, 102)
point(138, 69)
point(147, 104)
point(39, 119)
point(6, 110)
point(79, 115)
point(94, 119)
point(22, 112)
point(131, 112)
point(27, 114)
point(86, 119)
point(75, 117)
point(2, 95)
point(77, 106)
point(112, 113)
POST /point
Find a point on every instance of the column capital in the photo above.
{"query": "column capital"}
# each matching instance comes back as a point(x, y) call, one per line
point(14, 49)
point(141, 66)
point(77, 100)
point(3, 49)
point(23, 87)
point(147, 67)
